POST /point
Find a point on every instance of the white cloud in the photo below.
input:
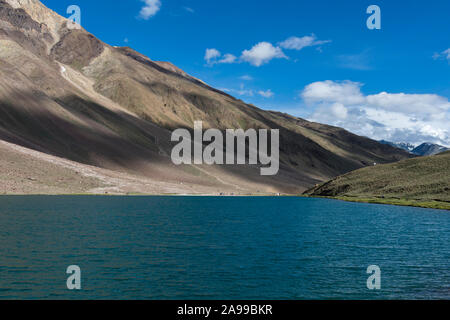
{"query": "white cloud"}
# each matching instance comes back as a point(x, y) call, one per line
point(189, 9)
point(262, 53)
point(212, 57)
point(150, 9)
point(447, 53)
point(398, 117)
point(443, 55)
point(242, 91)
point(345, 92)
point(266, 94)
point(409, 103)
point(228, 58)
point(339, 110)
point(296, 43)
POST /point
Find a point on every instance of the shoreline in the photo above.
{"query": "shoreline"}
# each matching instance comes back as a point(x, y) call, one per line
point(431, 204)
point(426, 204)
point(272, 195)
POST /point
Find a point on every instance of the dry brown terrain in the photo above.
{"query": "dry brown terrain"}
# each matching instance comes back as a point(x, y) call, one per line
point(25, 171)
point(67, 94)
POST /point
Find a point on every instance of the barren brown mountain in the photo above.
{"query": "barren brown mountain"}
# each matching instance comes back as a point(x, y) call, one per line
point(67, 97)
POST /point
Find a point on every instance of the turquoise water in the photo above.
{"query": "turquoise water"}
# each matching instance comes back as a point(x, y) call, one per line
point(220, 248)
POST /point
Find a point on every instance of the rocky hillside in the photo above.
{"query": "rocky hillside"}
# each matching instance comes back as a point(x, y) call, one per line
point(67, 94)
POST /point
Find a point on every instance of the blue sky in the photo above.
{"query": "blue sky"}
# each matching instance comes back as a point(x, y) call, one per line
point(397, 78)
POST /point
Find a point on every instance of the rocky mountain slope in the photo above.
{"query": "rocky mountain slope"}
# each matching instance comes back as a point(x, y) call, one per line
point(429, 149)
point(67, 94)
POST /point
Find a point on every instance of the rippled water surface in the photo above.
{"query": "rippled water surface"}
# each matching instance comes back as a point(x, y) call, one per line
point(220, 248)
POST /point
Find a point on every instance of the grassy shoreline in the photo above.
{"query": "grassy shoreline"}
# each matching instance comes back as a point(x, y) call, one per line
point(428, 204)
point(419, 182)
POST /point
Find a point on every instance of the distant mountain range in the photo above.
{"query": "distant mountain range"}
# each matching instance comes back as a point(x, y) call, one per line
point(401, 145)
point(425, 149)
point(429, 149)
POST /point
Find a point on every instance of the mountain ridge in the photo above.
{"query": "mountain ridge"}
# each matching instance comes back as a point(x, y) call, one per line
point(429, 149)
point(424, 149)
point(66, 93)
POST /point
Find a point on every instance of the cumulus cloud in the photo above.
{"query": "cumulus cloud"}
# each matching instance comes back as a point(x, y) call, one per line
point(398, 117)
point(345, 92)
point(213, 56)
point(228, 58)
point(150, 9)
point(296, 43)
point(266, 94)
point(339, 110)
point(262, 53)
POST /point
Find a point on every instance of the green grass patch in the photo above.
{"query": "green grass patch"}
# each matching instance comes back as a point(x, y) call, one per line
point(431, 204)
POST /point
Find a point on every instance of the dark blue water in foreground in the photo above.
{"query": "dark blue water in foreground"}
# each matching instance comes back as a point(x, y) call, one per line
point(220, 248)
